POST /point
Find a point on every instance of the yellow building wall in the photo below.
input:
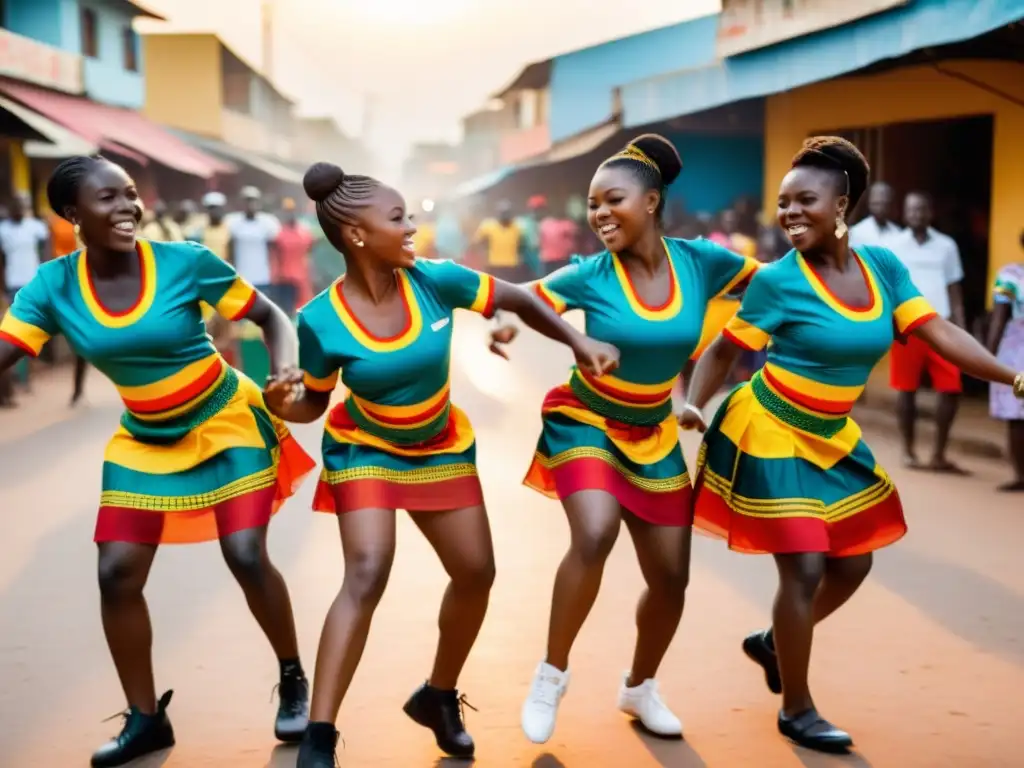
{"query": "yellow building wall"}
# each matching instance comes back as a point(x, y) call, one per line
point(904, 95)
point(184, 88)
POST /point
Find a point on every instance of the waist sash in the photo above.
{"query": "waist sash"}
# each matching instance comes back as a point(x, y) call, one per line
point(633, 415)
point(171, 431)
point(786, 412)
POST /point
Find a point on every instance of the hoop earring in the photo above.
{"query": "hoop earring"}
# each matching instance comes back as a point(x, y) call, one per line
point(841, 228)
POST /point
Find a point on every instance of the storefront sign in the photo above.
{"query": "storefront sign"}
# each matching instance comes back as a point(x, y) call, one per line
point(22, 58)
point(746, 25)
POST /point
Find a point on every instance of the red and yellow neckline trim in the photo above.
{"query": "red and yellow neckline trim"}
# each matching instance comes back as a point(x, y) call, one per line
point(667, 310)
point(143, 302)
point(410, 331)
point(872, 311)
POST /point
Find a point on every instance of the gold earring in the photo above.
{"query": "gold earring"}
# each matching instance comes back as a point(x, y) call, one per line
point(841, 228)
point(77, 229)
point(358, 243)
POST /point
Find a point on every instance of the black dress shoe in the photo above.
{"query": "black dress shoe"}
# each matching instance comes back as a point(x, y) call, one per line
point(441, 712)
point(141, 735)
point(293, 711)
point(761, 653)
point(318, 747)
point(811, 730)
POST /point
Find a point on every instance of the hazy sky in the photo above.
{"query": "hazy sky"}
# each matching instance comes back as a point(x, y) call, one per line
point(424, 63)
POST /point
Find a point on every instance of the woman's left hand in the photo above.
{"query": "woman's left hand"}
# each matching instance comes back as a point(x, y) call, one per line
point(283, 389)
point(596, 357)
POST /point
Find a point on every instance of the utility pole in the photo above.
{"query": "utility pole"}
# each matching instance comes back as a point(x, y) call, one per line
point(267, 37)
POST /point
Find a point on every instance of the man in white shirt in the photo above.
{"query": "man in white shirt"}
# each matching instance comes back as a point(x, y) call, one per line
point(24, 240)
point(253, 233)
point(933, 260)
point(878, 228)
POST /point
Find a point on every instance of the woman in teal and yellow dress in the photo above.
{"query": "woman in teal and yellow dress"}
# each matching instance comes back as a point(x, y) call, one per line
point(397, 441)
point(609, 449)
point(783, 469)
point(197, 456)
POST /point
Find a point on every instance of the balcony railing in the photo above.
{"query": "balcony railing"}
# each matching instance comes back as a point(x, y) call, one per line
point(23, 58)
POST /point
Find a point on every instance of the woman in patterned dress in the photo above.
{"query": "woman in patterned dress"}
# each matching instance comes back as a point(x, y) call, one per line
point(1006, 341)
point(397, 441)
point(783, 469)
point(197, 456)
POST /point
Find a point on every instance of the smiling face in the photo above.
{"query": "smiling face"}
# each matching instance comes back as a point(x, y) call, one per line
point(620, 208)
point(108, 209)
point(808, 206)
point(385, 230)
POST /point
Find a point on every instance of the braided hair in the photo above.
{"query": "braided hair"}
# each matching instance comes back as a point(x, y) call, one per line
point(338, 196)
point(843, 159)
point(653, 160)
point(66, 180)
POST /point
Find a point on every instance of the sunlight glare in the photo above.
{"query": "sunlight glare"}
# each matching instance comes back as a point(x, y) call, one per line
point(407, 12)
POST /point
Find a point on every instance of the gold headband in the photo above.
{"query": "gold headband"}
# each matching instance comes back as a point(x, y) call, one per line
point(634, 153)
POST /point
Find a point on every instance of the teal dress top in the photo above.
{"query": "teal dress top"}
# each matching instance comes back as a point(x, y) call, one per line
point(617, 433)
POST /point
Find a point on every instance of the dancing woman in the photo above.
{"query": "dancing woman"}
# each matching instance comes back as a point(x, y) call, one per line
point(609, 449)
point(197, 456)
point(783, 469)
point(397, 441)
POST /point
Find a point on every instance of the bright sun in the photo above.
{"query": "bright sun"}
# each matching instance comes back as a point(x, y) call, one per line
point(404, 12)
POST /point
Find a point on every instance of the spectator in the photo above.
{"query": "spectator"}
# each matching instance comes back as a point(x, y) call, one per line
point(253, 235)
point(502, 241)
point(558, 238)
point(933, 261)
point(290, 267)
point(878, 228)
point(24, 245)
point(159, 225)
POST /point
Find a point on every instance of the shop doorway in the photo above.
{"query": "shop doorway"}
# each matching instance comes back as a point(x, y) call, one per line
point(951, 160)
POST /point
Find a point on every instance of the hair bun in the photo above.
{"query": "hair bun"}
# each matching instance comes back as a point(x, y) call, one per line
point(321, 180)
point(662, 153)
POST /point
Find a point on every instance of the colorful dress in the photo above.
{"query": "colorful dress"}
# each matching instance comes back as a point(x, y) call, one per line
point(197, 455)
point(783, 468)
point(617, 433)
point(1009, 289)
point(396, 441)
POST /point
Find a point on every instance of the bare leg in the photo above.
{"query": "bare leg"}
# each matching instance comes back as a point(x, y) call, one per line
point(843, 577)
point(462, 540)
point(594, 521)
point(664, 555)
point(800, 576)
point(945, 414)
point(906, 418)
point(123, 571)
point(368, 544)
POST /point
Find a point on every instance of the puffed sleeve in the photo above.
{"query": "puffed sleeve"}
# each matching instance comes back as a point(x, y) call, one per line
point(319, 372)
point(565, 288)
point(911, 309)
point(760, 314)
point(219, 285)
point(459, 287)
point(30, 322)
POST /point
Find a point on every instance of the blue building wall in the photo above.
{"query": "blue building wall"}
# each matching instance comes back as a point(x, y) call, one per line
point(59, 23)
point(582, 81)
point(106, 79)
point(717, 170)
point(38, 19)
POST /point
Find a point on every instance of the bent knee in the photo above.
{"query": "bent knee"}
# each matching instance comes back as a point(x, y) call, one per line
point(366, 576)
point(120, 577)
point(477, 574)
point(593, 547)
point(247, 559)
point(670, 581)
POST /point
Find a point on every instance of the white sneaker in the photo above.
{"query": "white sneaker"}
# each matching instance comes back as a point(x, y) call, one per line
point(540, 710)
point(644, 704)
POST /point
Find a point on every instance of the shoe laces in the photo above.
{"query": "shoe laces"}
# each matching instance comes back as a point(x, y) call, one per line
point(545, 690)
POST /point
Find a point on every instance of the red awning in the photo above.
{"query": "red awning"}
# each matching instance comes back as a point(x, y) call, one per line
point(117, 130)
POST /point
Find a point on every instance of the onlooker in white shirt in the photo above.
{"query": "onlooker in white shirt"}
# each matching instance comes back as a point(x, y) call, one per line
point(933, 260)
point(878, 228)
point(23, 243)
point(252, 238)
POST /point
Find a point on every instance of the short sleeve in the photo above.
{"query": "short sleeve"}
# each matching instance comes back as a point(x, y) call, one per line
point(759, 316)
point(954, 268)
point(1006, 289)
point(459, 287)
point(42, 231)
point(725, 272)
point(565, 288)
point(911, 308)
point(220, 286)
point(319, 374)
point(30, 321)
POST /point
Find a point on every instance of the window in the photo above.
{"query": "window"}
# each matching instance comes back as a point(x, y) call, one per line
point(131, 56)
point(90, 45)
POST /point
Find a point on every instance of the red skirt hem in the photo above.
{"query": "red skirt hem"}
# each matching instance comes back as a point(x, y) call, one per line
point(665, 508)
point(372, 493)
point(871, 529)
